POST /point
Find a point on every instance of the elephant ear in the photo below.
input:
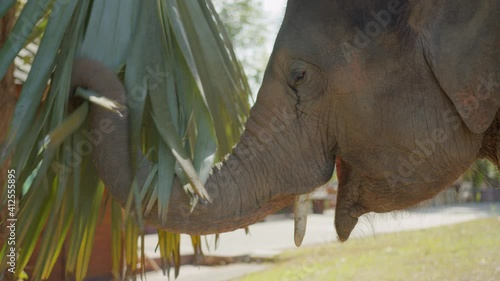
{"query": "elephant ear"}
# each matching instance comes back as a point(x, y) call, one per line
point(464, 53)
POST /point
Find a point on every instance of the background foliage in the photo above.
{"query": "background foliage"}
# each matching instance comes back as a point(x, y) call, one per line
point(247, 27)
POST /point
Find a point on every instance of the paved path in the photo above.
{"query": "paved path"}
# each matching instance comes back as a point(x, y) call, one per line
point(272, 237)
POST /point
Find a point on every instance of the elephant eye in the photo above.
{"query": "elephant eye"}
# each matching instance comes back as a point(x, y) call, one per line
point(298, 76)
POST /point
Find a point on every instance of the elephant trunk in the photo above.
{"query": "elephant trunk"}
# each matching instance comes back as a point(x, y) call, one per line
point(240, 197)
point(111, 145)
point(241, 191)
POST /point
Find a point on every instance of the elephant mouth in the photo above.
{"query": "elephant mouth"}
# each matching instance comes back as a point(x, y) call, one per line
point(346, 210)
point(339, 169)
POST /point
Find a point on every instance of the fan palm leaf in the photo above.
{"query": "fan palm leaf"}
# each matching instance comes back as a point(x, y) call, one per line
point(188, 99)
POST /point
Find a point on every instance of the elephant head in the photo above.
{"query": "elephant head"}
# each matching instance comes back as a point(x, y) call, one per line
point(402, 96)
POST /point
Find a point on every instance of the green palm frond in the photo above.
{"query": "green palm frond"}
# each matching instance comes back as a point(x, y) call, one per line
point(188, 99)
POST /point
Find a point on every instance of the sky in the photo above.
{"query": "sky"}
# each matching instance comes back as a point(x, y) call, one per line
point(276, 7)
point(275, 10)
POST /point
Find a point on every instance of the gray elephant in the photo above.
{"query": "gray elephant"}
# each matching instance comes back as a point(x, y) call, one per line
point(400, 96)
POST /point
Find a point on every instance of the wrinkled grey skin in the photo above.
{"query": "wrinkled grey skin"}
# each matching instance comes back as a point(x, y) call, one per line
point(403, 110)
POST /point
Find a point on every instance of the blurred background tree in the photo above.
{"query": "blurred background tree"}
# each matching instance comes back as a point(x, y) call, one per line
point(481, 175)
point(247, 26)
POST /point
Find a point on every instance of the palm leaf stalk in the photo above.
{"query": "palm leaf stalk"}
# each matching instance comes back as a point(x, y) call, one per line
point(188, 99)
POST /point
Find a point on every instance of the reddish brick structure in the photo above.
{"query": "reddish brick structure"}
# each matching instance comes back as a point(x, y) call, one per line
point(101, 261)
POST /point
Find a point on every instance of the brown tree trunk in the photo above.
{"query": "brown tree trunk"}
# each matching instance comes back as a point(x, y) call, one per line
point(8, 96)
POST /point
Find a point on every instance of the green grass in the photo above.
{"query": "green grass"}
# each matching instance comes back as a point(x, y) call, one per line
point(468, 251)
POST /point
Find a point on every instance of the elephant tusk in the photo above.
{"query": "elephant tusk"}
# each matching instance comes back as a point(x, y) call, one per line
point(300, 211)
